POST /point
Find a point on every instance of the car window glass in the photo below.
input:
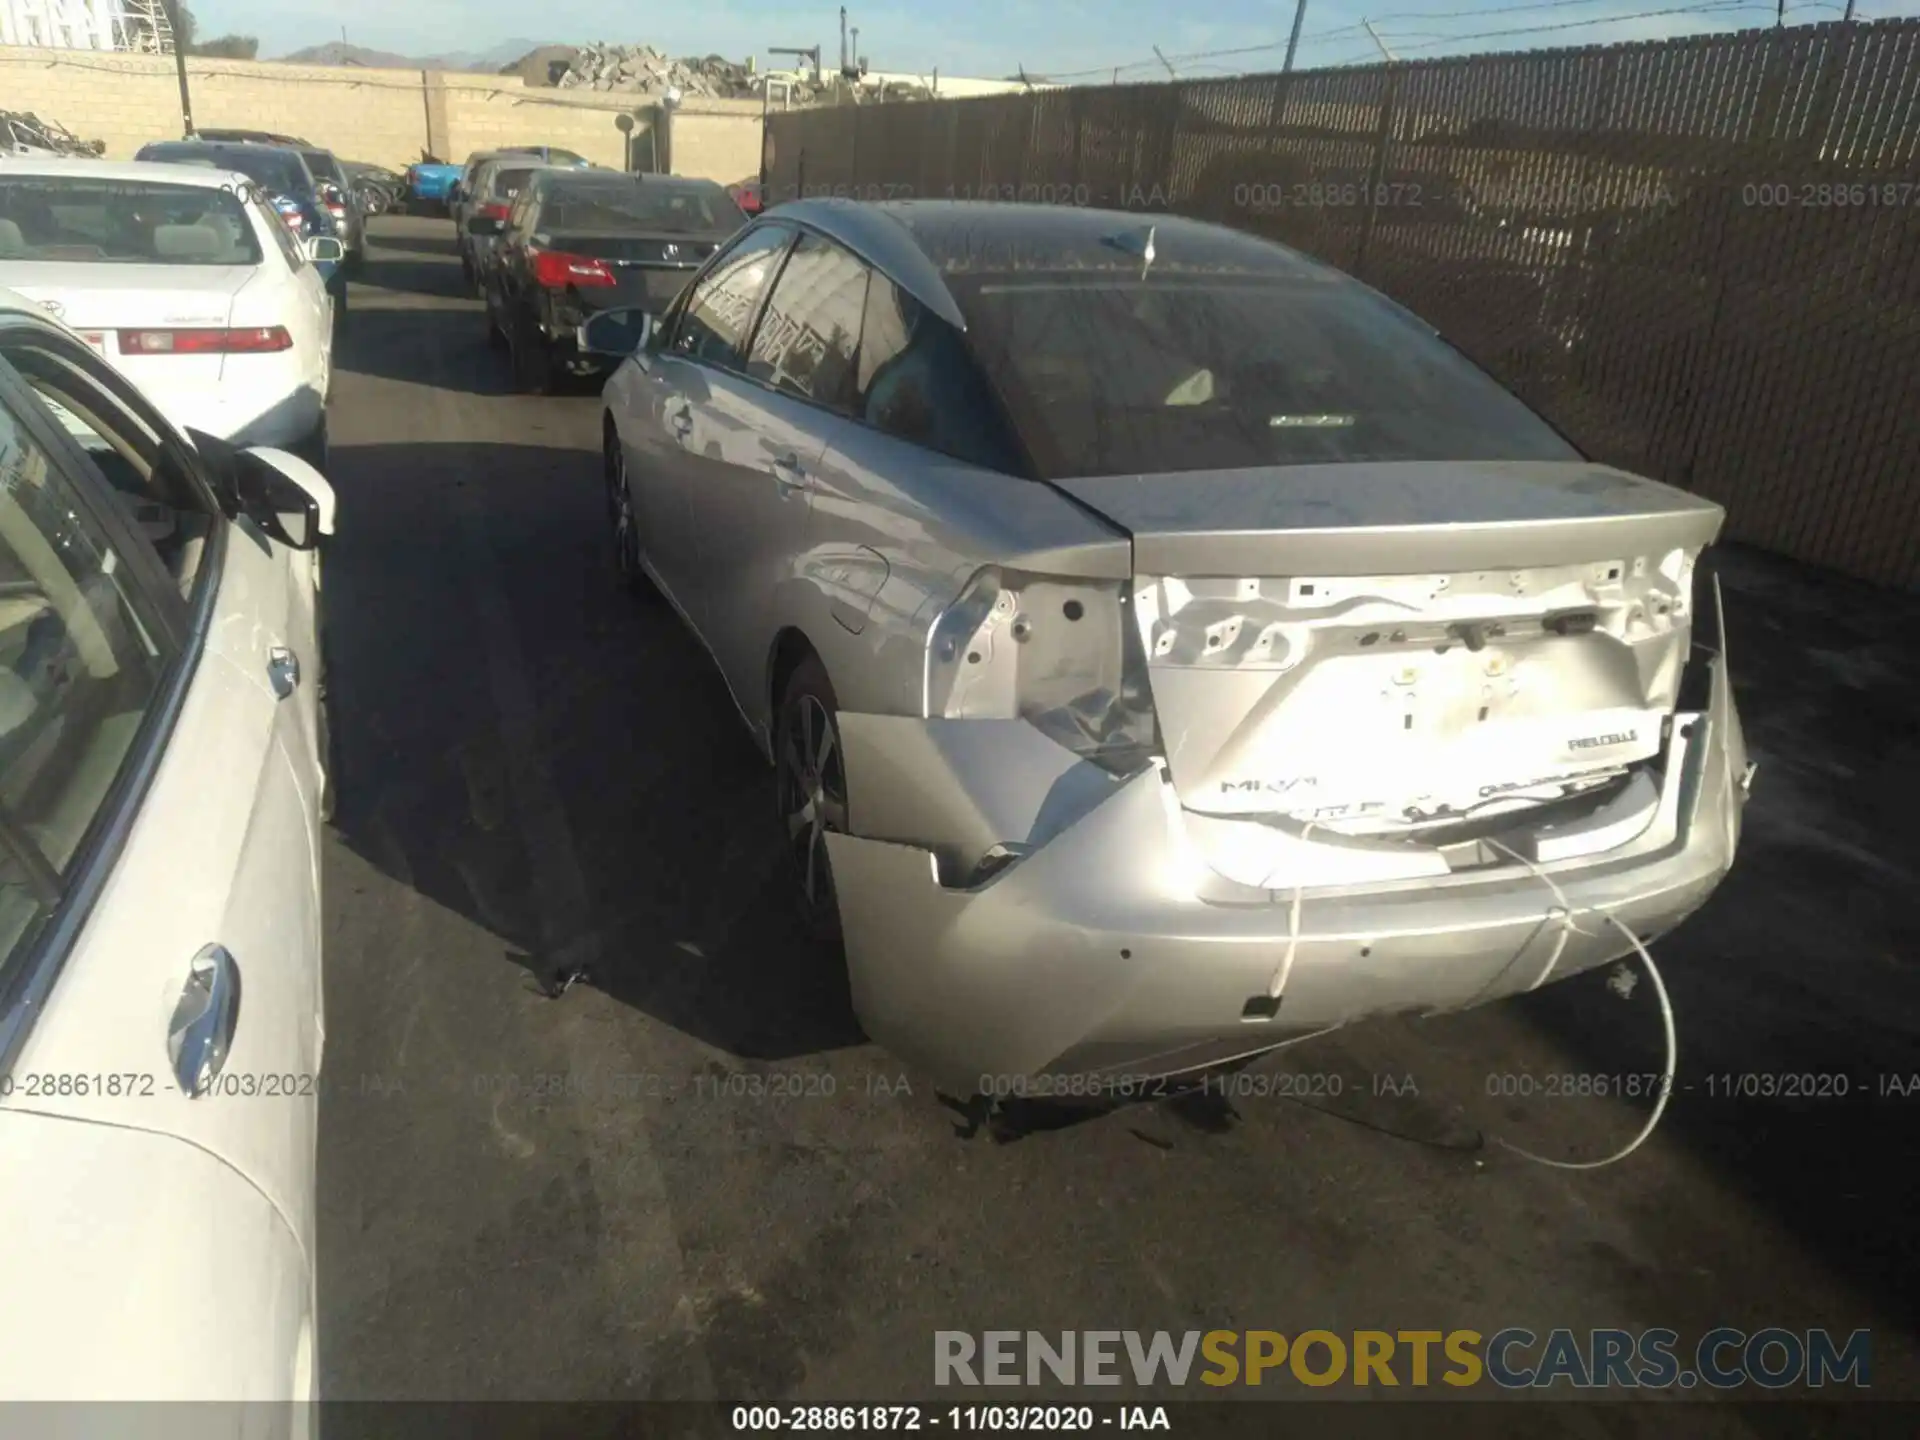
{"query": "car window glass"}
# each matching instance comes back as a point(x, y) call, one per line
point(721, 305)
point(144, 466)
point(80, 219)
point(917, 381)
point(806, 340)
point(79, 666)
point(1115, 375)
point(522, 208)
point(282, 234)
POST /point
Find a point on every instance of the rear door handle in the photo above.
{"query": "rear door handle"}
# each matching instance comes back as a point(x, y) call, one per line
point(788, 471)
point(680, 417)
point(200, 1034)
point(283, 671)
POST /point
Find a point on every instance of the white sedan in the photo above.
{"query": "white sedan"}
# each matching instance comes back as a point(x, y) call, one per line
point(162, 779)
point(187, 282)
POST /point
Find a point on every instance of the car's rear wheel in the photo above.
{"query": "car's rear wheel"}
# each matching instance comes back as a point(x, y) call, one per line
point(811, 791)
point(621, 517)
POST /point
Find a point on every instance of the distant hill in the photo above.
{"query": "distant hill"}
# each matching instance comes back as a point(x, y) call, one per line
point(336, 52)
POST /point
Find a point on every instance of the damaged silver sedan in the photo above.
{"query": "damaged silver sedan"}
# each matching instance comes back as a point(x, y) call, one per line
point(1167, 647)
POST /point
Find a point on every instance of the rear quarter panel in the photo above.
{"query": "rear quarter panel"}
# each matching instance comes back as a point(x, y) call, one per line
point(894, 534)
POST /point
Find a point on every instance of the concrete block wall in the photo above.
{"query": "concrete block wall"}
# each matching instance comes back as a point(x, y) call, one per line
point(717, 139)
point(383, 116)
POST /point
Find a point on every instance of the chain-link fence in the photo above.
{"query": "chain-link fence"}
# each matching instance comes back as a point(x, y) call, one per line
point(1699, 257)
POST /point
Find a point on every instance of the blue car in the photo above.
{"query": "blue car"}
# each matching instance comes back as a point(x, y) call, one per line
point(430, 185)
point(284, 179)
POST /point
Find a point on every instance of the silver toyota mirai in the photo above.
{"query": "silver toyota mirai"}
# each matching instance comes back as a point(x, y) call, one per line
point(1167, 647)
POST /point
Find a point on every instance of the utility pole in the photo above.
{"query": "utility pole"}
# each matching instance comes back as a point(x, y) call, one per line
point(1293, 40)
point(1164, 61)
point(1383, 44)
point(1848, 17)
point(1780, 15)
point(843, 40)
point(180, 66)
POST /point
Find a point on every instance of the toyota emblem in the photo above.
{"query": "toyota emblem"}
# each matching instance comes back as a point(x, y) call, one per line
point(673, 252)
point(53, 308)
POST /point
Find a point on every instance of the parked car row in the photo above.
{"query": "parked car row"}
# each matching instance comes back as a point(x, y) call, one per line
point(568, 243)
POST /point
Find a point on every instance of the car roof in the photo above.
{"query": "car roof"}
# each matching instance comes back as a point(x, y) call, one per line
point(154, 170)
point(921, 244)
point(599, 179)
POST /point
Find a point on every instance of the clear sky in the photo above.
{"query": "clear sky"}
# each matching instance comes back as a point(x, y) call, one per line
point(995, 37)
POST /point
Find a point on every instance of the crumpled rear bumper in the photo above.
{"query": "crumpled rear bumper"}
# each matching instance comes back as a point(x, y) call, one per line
point(1096, 955)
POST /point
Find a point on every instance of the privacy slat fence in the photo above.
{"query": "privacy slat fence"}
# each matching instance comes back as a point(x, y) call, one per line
point(1699, 257)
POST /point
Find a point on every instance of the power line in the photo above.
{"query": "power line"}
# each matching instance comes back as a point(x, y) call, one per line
point(1716, 7)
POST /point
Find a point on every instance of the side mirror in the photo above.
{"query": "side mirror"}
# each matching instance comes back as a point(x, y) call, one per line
point(485, 225)
point(284, 496)
point(324, 249)
point(280, 493)
point(456, 192)
point(614, 332)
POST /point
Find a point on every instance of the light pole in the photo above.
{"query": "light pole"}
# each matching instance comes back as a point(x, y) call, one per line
point(669, 102)
point(180, 66)
point(1293, 40)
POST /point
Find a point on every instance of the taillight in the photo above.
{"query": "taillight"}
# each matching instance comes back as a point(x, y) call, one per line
point(205, 342)
point(493, 212)
point(556, 270)
point(1063, 654)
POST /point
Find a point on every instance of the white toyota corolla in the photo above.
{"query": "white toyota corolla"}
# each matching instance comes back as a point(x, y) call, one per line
point(162, 782)
point(187, 282)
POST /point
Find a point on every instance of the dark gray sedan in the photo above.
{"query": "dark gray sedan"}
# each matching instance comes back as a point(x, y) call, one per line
point(1167, 647)
point(576, 242)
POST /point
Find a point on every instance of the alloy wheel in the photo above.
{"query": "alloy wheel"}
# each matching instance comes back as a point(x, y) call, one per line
point(626, 534)
point(813, 797)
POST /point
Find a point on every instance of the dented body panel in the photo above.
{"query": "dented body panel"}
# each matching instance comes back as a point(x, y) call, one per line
point(1101, 732)
point(1115, 949)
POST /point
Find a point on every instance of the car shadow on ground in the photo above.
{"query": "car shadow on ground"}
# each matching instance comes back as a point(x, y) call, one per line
point(659, 867)
point(379, 342)
point(1796, 989)
point(385, 235)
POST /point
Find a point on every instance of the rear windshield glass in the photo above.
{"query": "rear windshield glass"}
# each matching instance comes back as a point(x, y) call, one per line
point(275, 171)
point(122, 222)
point(507, 183)
point(1114, 375)
point(323, 165)
point(665, 208)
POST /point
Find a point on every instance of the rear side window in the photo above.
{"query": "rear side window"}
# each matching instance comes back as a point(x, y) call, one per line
point(810, 332)
point(1109, 374)
point(76, 219)
point(917, 382)
point(714, 325)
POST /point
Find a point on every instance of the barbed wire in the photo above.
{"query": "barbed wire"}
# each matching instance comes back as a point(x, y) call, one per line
point(1314, 37)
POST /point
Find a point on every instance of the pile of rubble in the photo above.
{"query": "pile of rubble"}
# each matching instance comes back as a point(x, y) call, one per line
point(643, 70)
point(24, 133)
